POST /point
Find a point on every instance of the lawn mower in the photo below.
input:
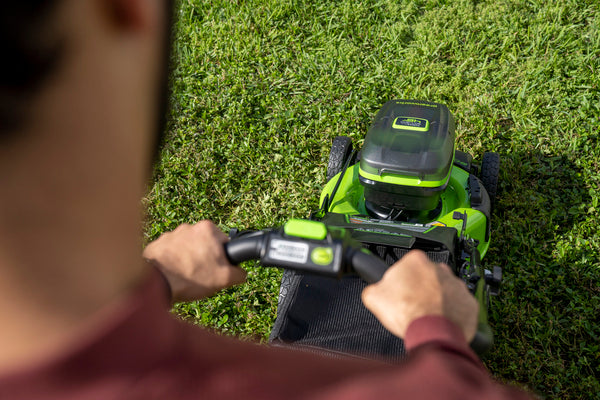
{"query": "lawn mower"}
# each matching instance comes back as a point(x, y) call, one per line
point(407, 188)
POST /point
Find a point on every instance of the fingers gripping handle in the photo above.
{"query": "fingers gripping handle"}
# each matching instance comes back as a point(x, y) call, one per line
point(369, 267)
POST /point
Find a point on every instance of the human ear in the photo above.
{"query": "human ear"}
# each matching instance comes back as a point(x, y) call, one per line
point(132, 14)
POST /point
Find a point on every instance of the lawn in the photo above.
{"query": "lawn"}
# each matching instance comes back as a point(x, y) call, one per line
point(260, 89)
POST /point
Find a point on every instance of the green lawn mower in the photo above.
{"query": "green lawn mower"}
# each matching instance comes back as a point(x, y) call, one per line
point(407, 188)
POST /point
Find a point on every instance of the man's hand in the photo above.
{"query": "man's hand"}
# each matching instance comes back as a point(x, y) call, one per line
point(193, 261)
point(415, 287)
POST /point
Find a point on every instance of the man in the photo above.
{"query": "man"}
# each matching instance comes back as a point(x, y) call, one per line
point(82, 314)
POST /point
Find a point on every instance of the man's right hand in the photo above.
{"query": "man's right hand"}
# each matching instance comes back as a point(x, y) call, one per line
point(193, 261)
point(415, 287)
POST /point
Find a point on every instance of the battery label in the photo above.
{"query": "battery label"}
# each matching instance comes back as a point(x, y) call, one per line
point(411, 124)
point(284, 250)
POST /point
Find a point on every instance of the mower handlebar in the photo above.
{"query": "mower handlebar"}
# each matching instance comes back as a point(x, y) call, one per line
point(368, 266)
point(483, 340)
point(244, 249)
point(253, 246)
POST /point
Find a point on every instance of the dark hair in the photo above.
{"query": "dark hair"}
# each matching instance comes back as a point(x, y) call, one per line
point(29, 54)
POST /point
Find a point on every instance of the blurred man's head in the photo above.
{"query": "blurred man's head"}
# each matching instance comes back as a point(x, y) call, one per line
point(82, 86)
point(82, 90)
point(35, 42)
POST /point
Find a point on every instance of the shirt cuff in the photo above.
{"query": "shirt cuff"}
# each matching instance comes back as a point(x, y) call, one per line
point(433, 328)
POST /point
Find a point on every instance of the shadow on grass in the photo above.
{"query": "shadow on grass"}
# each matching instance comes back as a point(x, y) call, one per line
point(546, 315)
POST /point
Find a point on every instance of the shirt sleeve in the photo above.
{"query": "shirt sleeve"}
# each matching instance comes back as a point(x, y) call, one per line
point(440, 331)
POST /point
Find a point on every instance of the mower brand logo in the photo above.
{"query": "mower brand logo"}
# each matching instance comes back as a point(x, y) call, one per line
point(411, 124)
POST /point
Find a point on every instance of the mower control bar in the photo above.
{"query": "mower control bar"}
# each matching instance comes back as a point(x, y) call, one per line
point(311, 247)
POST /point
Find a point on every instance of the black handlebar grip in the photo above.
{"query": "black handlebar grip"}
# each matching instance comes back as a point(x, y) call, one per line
point(483, 340)
point(368, 266)
point(244, 249)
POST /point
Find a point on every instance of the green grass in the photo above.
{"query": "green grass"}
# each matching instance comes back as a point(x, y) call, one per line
point(262, 87)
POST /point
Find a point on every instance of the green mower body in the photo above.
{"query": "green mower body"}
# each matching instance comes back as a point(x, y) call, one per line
point(409, 188)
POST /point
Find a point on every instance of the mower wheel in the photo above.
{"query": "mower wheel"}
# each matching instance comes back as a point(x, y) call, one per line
point(490, 168)
point(340, 151)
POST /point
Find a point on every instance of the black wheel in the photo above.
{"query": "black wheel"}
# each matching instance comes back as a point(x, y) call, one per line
point(340, 151)
point(284, 286)
point(490, 168)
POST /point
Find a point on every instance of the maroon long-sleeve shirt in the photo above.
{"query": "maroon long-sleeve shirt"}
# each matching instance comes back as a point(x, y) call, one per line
point(142, 352)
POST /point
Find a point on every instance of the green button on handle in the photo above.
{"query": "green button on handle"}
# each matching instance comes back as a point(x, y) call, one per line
point(322, 255)
point(305, 229)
